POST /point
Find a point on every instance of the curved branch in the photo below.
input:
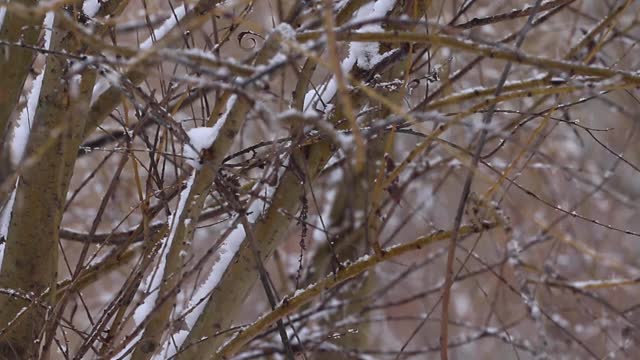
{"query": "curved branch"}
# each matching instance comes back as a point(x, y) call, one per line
point(289, 304)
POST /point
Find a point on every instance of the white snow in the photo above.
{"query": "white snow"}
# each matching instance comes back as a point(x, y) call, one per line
point(164, 29)
point(199, 139)
point(152, 281)
point(25, 121)
point(338, 5)
point(588, 284)
point(327, 91)
point(278, 59)
point(364, 54)
point(5, 220)
point(91, 7)
point(288, 33)
point(126, 352)
point(227, 251)
point(203, 137)
point(103, 85)
point(99, 89)
point(3, 11)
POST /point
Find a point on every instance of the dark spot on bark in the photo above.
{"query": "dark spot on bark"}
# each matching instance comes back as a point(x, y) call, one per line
point(148, 346)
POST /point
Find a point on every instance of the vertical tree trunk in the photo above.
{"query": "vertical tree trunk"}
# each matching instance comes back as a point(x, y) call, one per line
point(30, 261)
point(15, 62)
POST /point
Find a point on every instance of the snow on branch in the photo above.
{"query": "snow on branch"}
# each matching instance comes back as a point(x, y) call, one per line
point(365, 55)
point(27, 116)
point(203, 138)
point(152, 282)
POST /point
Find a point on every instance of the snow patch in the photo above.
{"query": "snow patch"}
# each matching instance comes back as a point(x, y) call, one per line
point(227, 251)
point(3, 12)
point(99, 89)
point(327, 91)
point(126, 352)
point(365, 55)
point(5, 220)
point(152, 281)
point(164, 29)
point(27, 115)
point(103, 85)
point(91, 7)
point(199, 139)
point(288, 33)
point(203, 137)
